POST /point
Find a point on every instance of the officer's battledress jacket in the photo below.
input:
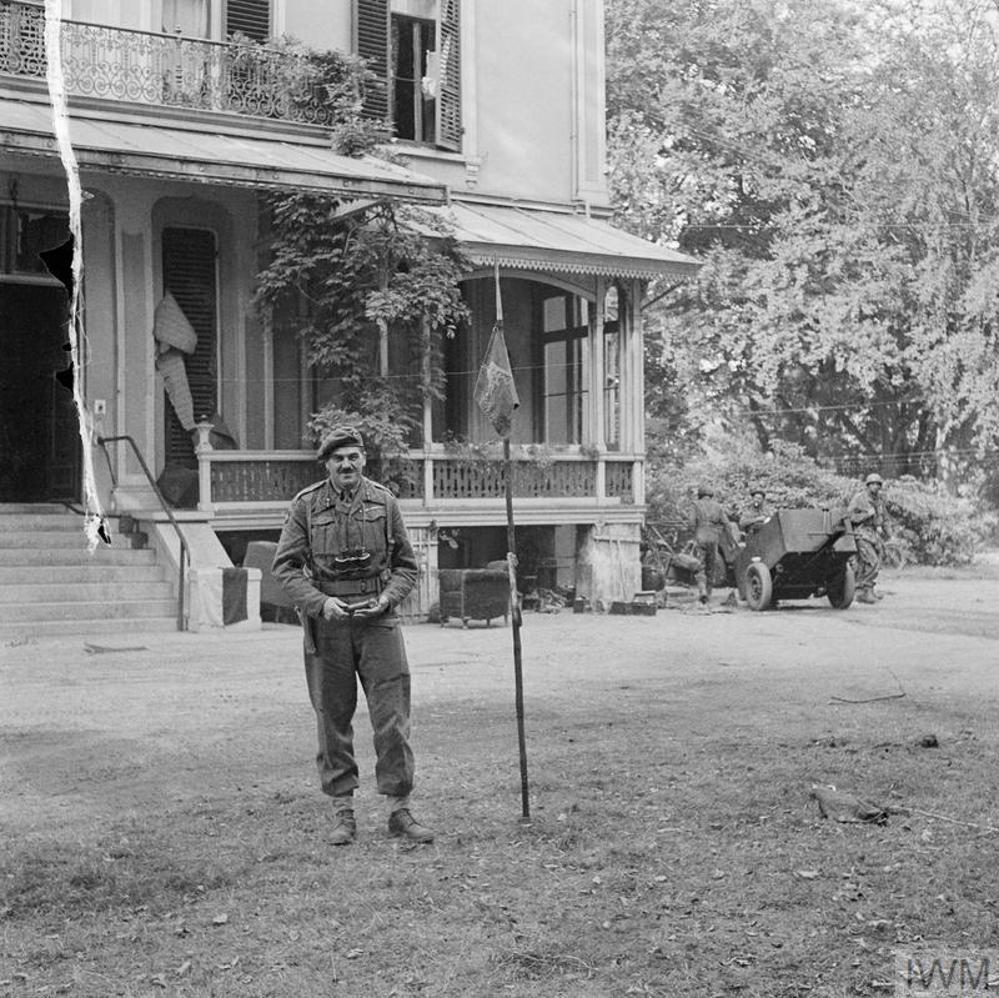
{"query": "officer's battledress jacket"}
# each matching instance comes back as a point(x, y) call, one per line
point(869, 516)
point(708, 520)
point(323, 523)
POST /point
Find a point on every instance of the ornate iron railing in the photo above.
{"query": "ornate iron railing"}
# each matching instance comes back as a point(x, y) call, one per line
point(141, 67)
point(554, 479)
point(240, 478)
point(259, 479)
point(619, 481)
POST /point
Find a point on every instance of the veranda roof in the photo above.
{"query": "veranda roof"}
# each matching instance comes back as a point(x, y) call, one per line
point(261, 158)
point(533, 238)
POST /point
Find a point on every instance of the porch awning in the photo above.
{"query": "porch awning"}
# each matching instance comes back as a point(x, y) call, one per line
point(538, 239)
point(262, 160)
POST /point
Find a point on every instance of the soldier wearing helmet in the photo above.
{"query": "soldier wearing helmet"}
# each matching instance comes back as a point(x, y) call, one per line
point(870, 527)
point(708, 521)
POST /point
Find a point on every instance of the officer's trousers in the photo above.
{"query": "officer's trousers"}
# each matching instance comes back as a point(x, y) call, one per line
point(868, 563)
point(372, 651)
point(707, 555)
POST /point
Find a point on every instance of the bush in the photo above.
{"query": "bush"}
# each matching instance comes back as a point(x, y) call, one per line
point(929, 525)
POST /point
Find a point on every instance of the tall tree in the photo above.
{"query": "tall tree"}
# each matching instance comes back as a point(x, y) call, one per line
point(835, 165)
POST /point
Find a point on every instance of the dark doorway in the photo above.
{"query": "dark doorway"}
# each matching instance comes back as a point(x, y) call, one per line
point(39, 432)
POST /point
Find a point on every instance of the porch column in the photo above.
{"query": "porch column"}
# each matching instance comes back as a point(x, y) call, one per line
point(428, 419)
point(267, 340)
point(636, 339)
point(598, 379)
point(597, 372)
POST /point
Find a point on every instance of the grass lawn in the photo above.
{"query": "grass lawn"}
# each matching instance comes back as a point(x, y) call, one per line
point(673, 850)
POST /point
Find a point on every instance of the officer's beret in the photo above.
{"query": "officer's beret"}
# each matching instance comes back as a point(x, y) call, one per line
point(341, 436)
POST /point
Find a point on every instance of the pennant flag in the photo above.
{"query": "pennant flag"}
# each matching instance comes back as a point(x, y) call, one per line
point(495, 392)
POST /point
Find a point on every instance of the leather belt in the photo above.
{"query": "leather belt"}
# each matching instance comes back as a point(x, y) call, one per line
point(350, 587)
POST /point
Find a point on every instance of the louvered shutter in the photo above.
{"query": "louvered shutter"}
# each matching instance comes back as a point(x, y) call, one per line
point(449, 84)
point(371, 42)
point(251, 17)
point(189, 274)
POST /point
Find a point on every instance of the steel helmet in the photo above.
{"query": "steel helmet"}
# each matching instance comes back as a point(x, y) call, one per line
point(704, 490)
point(874, 479)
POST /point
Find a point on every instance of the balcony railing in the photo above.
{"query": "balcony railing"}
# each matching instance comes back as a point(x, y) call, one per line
point(232, 479)
point(145, 68)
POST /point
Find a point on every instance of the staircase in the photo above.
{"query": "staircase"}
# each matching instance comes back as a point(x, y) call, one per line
point(51, 585)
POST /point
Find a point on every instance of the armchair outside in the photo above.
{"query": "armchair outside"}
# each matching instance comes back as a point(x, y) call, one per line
point(474, 594)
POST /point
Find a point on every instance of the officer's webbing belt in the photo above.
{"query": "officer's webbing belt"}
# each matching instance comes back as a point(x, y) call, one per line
point(350, 587)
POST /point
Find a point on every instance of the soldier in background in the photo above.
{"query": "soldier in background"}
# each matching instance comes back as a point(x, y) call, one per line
point(870, 528)
point(756, 513)
point(708, 522)
point(345, 560)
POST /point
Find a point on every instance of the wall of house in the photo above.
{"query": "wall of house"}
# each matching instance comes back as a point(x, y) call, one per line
point(535, 135)
point(124, 219)
point(608, 562)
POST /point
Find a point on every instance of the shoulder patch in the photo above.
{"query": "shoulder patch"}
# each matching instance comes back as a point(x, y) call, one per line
point(310, 488)
point(376, 492)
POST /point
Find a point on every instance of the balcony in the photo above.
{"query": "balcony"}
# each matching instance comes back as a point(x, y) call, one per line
point(238, 484)
point(139, 67)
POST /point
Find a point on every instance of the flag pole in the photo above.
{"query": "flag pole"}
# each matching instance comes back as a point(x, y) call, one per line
point(518, 672)
point(511, 560)
point(496, 394)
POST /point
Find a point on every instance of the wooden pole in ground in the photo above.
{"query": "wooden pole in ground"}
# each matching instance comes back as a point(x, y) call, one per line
point(518, 672)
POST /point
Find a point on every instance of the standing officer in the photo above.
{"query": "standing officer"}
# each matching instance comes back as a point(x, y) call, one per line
point(756, 513)
point(708, 521)
point(870, 525)
point(345, 560)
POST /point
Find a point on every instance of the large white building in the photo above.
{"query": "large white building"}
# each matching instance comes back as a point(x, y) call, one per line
point(498, 109)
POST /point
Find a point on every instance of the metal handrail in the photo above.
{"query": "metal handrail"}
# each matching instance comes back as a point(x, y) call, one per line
point(185, 551)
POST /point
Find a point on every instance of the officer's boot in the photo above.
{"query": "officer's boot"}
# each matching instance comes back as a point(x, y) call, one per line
point(344, 823)
point(402, 824)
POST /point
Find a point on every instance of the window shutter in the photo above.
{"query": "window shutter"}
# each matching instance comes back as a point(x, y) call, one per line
point(371, 42)
point(251, 17)
point(449, 83)
point(189, 275)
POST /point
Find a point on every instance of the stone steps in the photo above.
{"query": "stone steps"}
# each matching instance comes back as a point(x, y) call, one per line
point(85, 573)
point(34, 593)
point(52, 585)
point(61, 538)
point(76, 556)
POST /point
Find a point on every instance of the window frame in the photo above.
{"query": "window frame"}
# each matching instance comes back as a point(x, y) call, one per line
point(576, 336)
point(373, 33)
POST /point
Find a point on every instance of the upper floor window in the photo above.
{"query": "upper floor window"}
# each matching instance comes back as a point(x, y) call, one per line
point(199, 18)
point(413, 48)
point(248, 17)
point(185, 17)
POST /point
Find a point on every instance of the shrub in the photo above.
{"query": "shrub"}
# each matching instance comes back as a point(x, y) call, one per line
point(929, 525)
